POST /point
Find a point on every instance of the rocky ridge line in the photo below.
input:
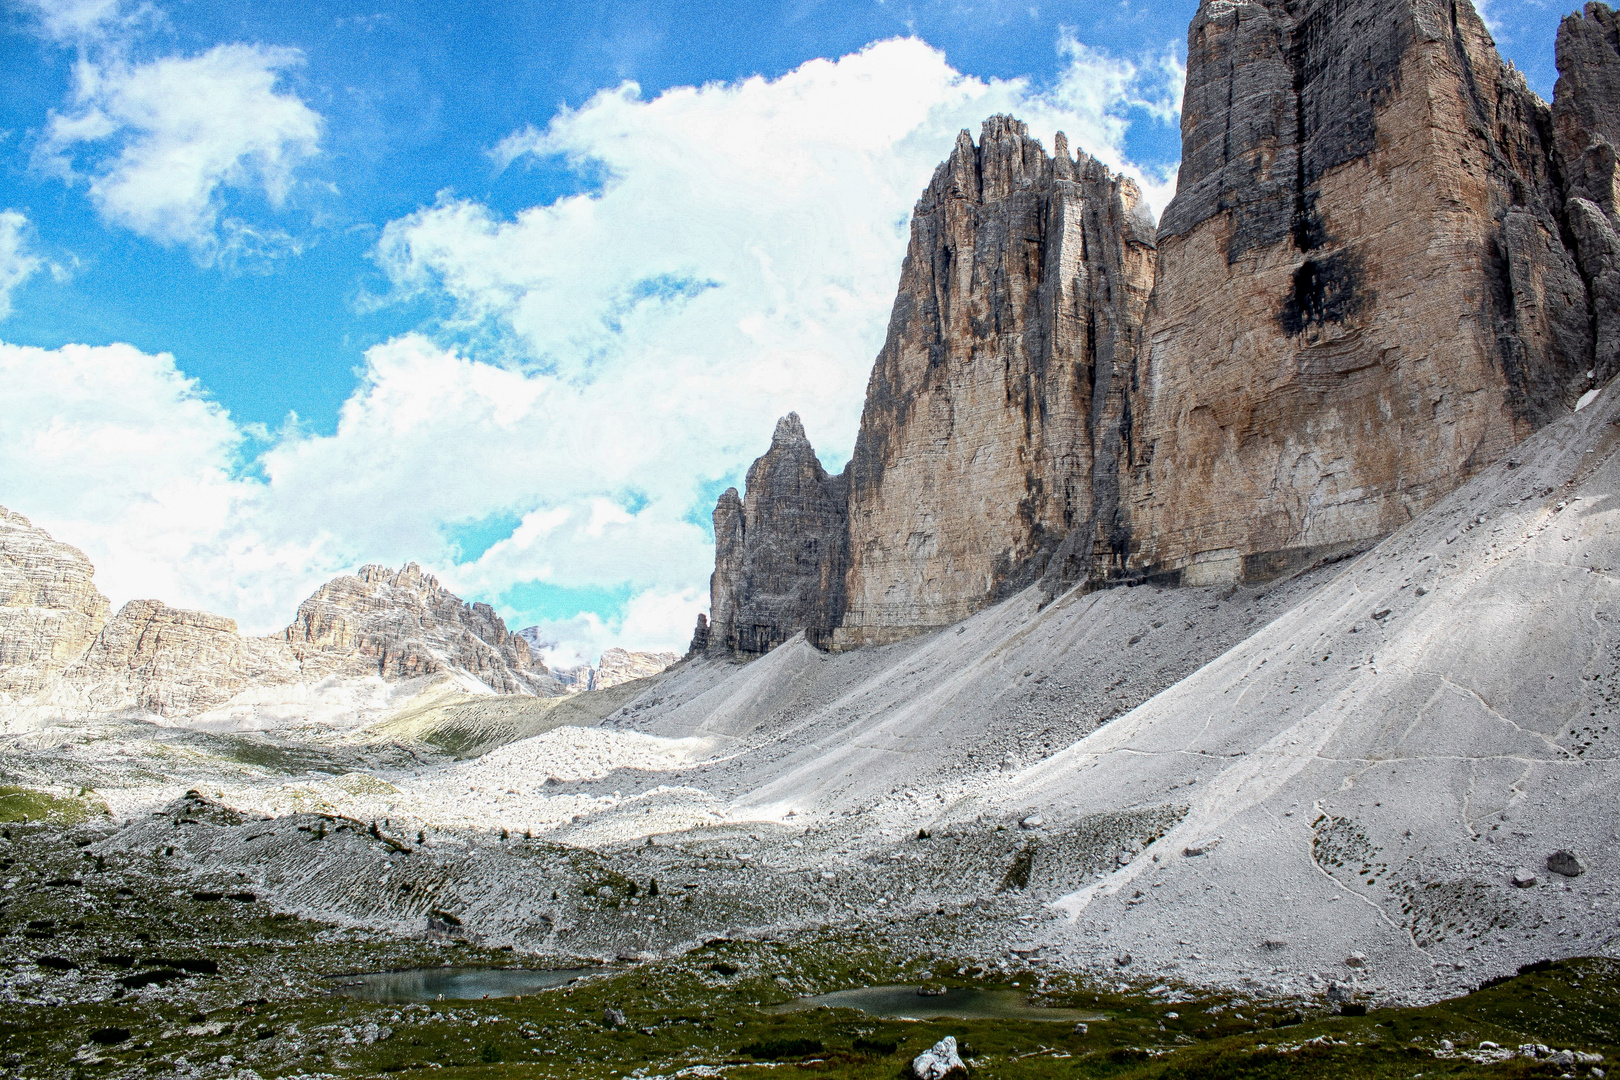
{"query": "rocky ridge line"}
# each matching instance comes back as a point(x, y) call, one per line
point(59, 650)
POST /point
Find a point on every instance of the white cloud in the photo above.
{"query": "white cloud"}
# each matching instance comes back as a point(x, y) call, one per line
point(117, 452)
point(162, 144)
point(17, 263)
point(748, 236)
point(654, 621)
point(85, 21)
point(1106, 89)
point(739, 262)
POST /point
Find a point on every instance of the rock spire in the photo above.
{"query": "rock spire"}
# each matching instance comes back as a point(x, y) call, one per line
point(781, 553)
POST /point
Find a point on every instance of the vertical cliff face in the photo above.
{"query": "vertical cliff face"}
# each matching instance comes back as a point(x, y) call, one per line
point(1387, 262)
point(1586, 119)
point(50, 609)
point(780, 553)
point(1363, 295)
point(1001, 385)
point(172, 662)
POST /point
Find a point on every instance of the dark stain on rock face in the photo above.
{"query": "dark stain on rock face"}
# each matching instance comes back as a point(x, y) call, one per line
point(1326, 290)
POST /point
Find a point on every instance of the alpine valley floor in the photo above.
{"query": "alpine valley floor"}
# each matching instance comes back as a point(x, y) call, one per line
point(1336, 788)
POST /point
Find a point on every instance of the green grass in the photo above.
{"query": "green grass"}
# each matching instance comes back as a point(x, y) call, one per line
point(20, 804)
point(269, 1008)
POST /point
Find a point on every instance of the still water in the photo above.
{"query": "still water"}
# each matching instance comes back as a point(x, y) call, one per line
point(451, 984)
point(904, 1003)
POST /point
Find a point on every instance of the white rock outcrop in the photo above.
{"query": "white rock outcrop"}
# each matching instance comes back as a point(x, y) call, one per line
point(50, 609)
point(938, 1061)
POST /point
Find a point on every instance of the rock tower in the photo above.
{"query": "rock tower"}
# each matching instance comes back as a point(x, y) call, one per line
point(1388, 261)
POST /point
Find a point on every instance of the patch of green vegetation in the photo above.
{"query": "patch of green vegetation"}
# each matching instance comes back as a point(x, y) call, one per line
point(20, 804)
point(142, 974)
point(292, 760)
point(781, 1049)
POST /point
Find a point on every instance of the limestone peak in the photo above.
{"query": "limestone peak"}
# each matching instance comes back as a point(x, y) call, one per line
point(790, 432)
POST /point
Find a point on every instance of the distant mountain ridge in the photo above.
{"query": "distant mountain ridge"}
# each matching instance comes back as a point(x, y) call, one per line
point(616, 667)
point(58, 644)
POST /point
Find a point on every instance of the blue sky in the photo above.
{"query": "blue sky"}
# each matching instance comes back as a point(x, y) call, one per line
point(512, 290)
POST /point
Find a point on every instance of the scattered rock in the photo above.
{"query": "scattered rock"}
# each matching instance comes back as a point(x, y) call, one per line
point(1356, 960)
point(938, 1061)
point(1340, 994)
point(1523, 879)
point(614, 1018)
point(1123, 959)
point(1081, 1028)
point(1034, 821)
point(1566, 863)
point(1200, 847)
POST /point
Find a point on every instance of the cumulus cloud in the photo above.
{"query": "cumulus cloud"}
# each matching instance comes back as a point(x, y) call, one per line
point(119, 453)
point(160, 144)
point(17, 262)
point(174, 148)
point(610, 362)
point(653, 621)
point(749, 234)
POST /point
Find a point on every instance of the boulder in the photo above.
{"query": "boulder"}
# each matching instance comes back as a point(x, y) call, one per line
point(1566, 863)
point(938, 1061)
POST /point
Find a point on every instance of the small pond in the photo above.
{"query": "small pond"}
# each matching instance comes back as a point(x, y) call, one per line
point(451, 984)
point(905, 1003)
